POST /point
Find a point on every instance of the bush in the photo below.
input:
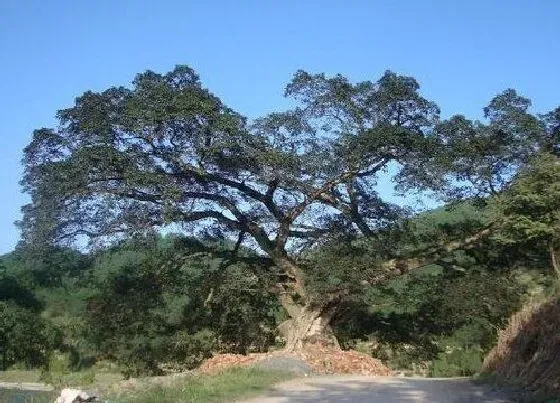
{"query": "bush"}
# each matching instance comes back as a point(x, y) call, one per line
point(403, 356)
point(242, 313)
point(139, 355)
point(462, 353)
point(59, 372)
point(432, 320)
point(170, 306)
point(457, 362)
point(24, 337)
point(189, 350)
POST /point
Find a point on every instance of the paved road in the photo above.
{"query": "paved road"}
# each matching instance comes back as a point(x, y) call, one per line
point(356, 389)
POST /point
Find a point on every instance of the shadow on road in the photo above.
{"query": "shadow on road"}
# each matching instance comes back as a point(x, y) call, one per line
point(405, 390)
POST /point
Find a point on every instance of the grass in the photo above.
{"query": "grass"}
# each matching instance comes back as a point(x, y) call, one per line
point(16, 375)
point(86, 378)
point(26, 396)
point(226, 386)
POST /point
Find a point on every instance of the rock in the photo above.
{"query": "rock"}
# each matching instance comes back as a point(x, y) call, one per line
point(286, 364)
point(74, 396)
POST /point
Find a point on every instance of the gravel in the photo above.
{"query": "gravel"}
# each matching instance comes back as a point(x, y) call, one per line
point(287, 364)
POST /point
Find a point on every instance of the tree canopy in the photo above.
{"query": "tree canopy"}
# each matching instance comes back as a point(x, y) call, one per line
point(168, 153)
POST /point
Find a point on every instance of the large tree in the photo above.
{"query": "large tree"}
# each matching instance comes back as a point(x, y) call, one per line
point(167, 152)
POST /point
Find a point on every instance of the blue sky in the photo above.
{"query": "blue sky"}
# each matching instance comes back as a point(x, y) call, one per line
point(462, 53)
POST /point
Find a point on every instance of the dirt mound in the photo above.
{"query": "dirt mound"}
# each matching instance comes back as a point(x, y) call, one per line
point(528, 350)
point(224, 361)
point(322, 360)
point(328, 360)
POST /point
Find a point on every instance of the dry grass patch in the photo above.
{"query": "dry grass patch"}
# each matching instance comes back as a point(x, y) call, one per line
point(528, 349)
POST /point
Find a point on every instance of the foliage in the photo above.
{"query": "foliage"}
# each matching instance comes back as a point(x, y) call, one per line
point(345, 263)
point(423, 316)
point(451, 222)
point(529, 211)
point(480, 159)
point(24, 337)
point(122, 320)
point(462, 353)
point(14, 291)
point(458, 362)
point(168, 150)
point(55, 267)
point(176, 303)
point(189, 350)
point(288, 209)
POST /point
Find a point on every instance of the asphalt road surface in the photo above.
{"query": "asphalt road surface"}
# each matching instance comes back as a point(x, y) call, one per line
point(357, 389)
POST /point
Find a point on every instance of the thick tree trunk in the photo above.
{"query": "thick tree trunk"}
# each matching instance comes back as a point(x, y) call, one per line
point(311, 325)
point(308, 323)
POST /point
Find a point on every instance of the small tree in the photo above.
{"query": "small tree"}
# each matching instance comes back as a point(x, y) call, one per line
point(529, 211)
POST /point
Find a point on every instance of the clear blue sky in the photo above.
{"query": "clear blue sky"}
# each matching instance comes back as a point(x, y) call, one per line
point(245, 51)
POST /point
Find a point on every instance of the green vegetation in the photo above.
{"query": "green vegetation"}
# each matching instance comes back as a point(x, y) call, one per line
point(226, 386)
point(21, 396)
point(529, 212)
point(25, 337)
point(201, 233)
point(163, 303)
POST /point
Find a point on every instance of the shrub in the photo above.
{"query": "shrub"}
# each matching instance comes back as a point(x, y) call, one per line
point(457, 362)
point(405, 356)
point(24, 337)
point(139, 355)
point(189, 350)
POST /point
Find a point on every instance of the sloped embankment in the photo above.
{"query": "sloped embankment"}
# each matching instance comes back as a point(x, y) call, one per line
point(528, 350)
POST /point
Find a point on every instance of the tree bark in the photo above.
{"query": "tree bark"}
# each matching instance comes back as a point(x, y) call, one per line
point(307, 323)
point(310, 325)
